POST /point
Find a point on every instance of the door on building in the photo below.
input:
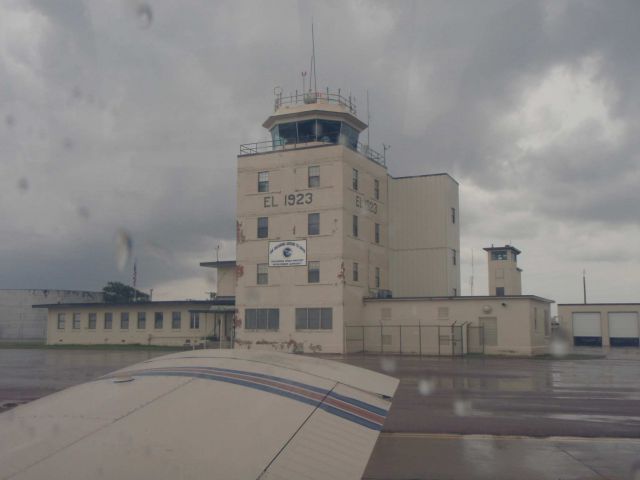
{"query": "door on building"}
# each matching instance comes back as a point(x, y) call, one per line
point(489, 331)
point(587, 329)
point(623, 329)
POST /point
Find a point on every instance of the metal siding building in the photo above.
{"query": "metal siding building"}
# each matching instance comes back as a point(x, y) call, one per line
point(601, 324)
point(20, 322)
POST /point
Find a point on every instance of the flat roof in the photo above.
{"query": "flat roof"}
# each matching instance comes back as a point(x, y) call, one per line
point(219, 264)
point(463, 297)
point(217, 301)
point(594, 304)
point(425, 175)
point(505, 247)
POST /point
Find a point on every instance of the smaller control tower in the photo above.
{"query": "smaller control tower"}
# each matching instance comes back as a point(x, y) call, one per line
point(504, 274)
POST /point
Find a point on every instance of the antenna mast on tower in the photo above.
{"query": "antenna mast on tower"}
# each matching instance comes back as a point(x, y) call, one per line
point(313, 60)
point(471, 279)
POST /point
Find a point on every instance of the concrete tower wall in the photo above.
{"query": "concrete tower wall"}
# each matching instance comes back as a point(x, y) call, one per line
point(424, 236)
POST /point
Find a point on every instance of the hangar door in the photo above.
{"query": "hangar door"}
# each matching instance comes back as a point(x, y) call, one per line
point(623, 329)
point(587, 329)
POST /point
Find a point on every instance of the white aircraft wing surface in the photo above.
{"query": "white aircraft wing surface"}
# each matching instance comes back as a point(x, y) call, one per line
point(221, 414)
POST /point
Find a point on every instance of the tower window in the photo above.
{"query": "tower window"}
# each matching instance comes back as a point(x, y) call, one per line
point(355, 226)
point(263, 227)
point(377, 233)
point(262, 318)
point(263, 274)
point(61, 321)
point(92, 321)
point(499, 291)
point(313, 274)
point(142, 320)
point(453, 215)
point(355, 271)
point(263, 181)
point(314, 176)
point(314, 318)
point(108, 320)
point(499, 255)
point(376, 189)
point(313, 224)
point(454, 257)
point(377, 277)
point(354, 179)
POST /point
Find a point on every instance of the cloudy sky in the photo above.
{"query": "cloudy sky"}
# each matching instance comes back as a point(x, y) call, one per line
point(126, 116)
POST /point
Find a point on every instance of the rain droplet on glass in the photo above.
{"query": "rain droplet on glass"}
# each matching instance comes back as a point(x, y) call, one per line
point(559, 347)
point(388, 364)
point(426, 387)
point(123, 248)
point(83, 212)
point(23, 184)
point(145, 15)
point(462, 408)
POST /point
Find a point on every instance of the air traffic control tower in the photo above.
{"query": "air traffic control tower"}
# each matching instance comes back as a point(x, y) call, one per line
point(322, 225)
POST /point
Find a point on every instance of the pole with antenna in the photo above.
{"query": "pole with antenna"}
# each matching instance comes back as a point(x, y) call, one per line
point(368, 122)
point(584, 286)
point(313, 59)
point(385, 147)
point(472, 272)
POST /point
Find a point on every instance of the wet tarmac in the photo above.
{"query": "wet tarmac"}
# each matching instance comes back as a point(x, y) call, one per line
point(457, 418)
point(595, 397)
point(27, 374)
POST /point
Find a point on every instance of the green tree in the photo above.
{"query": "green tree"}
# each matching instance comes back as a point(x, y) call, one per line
point(116, 292)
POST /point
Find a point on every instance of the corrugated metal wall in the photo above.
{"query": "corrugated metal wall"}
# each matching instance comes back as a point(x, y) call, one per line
point(19, 321)
point(422, 236)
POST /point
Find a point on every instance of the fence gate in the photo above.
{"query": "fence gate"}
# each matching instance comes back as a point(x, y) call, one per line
point(457, 347)
point(475, 339)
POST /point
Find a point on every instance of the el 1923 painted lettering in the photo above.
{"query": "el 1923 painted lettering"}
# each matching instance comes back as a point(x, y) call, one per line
point(368, 204)
point(289, 200)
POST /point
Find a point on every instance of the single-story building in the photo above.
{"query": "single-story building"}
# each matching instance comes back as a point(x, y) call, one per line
point(167, 323)
point(601, 324)
point(507, 325)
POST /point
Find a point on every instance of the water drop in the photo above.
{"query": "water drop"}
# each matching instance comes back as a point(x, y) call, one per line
point(10, 120)
point(23, 184)
point(123, 248)
point(83, 212)
point(462, 408)
point(559, 346)
point(76, 92)
point(145, 15)
point(426, 387)
point(388, 364)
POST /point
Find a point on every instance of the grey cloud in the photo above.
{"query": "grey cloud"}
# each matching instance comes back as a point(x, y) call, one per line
point(140, 127)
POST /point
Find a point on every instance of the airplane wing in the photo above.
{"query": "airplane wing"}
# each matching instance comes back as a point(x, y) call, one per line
point(224, 414)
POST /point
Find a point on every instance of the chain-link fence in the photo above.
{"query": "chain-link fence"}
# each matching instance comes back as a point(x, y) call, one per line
point(451, 340)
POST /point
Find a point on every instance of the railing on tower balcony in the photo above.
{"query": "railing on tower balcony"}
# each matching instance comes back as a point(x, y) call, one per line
point(268, 146)
point(310, 97)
